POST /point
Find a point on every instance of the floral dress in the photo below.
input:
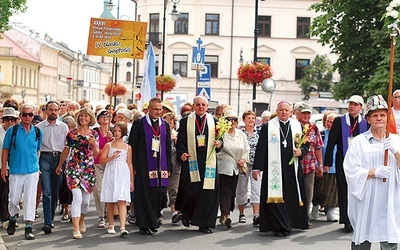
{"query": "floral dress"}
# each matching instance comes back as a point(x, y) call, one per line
point(80, 171)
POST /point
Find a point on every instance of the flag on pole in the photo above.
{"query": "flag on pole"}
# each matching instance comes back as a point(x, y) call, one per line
point(148, 88)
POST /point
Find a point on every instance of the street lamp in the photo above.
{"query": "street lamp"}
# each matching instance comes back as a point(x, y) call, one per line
point(23, 94)
point(174, 16)
point(268, 85)
point(255, 59)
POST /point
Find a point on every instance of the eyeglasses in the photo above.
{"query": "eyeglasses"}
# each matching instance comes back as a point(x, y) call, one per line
point(155, 109)
point(27, 114)
point(9, 119)
point(232, 119)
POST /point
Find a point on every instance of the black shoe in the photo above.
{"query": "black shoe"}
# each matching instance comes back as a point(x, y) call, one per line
point(153, 230)
point(11, 227)
point(47, 229)
point(256, 220)
point(176, 217)
point(185, 222)
point(36, 215)
point(228, 222)
point(28, 234)
point(144, 231)
point(205, 230)
point(348, 228)
point(278, 233)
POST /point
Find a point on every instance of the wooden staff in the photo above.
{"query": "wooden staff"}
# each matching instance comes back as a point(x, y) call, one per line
point(390, 90)
point(112, 89)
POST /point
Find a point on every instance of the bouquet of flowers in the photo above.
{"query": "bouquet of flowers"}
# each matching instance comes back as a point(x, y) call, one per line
point(165, 83)
point(223, 126)
point(254, 73)
point(117, 89)
point(392, 16)
point(300, 140)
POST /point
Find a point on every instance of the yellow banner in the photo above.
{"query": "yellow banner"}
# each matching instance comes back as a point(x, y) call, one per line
point(117, 38)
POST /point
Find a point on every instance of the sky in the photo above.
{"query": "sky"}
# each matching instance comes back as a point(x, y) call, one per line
point(68, 21)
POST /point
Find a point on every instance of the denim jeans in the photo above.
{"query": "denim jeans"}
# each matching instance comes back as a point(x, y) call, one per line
point(50, 185)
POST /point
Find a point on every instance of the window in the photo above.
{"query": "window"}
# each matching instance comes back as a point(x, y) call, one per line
point(212, 24)
point(181, 25)
point(129, 64)
point(266, 60)
point(180, 65)
point(264, 26)
point(128, 76)
point(303, 27)
point(154, 28)
point(213, 61)
point(300, 65)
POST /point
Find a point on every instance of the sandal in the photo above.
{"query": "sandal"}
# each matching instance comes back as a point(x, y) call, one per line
point(65, 217)
point(76, 234)
point(101, 224)
point(82, 228)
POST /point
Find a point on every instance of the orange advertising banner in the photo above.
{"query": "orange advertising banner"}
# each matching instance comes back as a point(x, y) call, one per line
point(117, 38)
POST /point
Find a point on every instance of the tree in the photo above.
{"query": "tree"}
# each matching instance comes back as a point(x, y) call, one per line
point(354, 30)
point(7, 9)
point(317, 76)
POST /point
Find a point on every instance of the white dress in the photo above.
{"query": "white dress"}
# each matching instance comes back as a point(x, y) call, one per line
point(116, 179)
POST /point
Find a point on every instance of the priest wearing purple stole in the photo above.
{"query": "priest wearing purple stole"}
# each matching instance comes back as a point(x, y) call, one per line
point(150, 140)
point(344, 129)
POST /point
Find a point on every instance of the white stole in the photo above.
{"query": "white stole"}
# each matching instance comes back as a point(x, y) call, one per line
point(274, 183)
point(211, 165)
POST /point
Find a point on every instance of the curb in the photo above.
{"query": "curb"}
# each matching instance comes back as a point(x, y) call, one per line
point(2, 244)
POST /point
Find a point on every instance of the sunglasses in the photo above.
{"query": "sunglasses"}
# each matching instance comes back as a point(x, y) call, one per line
point(232, 119)
point(27, 114)
point(9, 119)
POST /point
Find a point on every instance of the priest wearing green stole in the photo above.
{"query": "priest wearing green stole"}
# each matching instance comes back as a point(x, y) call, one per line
point(282, 189)
point(197, 197)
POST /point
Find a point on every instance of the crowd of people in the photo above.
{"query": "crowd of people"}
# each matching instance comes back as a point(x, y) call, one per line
point(138, 161)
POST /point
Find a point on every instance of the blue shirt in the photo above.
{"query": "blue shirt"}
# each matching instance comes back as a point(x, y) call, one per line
point(24, 158)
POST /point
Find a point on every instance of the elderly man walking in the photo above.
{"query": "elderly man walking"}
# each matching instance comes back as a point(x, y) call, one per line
point(54, 138)
point(20, 149)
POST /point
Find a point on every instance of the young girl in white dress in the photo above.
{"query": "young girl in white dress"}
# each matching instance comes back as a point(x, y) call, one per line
point(118, 176)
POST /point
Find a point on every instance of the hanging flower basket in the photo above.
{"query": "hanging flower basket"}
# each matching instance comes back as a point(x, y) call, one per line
point(165, 83)
point(119, 89)
point(254, 73)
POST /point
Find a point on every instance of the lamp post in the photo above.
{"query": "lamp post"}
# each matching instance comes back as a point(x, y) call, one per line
point(241, 63)
point(256, 31)
point(174, 16)
point(23, 94)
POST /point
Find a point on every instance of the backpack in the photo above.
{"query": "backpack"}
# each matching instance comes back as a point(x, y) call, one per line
point(14, 135)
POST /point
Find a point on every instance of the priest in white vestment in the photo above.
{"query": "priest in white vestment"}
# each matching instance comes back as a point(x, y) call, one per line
point(374, 189)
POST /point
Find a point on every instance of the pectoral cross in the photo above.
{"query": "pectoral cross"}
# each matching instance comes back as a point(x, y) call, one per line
point(284, 143)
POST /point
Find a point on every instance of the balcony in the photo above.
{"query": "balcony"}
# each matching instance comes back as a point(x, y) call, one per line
point(155, 38)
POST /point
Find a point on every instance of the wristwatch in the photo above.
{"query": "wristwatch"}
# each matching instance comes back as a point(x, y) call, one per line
point(321, 165)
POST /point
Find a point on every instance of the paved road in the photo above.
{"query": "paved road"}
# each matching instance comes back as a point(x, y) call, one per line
point(324, 235)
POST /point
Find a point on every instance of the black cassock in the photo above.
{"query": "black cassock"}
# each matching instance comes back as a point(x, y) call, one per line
point(148, 201)
point(198, 205)
point(287, 215)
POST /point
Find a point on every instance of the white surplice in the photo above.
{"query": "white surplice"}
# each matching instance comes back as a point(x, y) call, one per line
point(373, 205)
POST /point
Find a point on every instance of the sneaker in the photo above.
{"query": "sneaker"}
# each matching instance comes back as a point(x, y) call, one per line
point(29, 234)
point(124, 233)
point(256, 220)
point(242, 218)
point(132, 220)
point(176, 217)
point(111, 230)
point(101, 223)
point(46, 229)
point(11, 227)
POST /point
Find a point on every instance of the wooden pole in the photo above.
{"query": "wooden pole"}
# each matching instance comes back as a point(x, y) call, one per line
point(390, 90)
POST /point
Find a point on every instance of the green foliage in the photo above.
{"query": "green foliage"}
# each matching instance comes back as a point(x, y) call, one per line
point(317, 76)
point(9, 8)
point(356, 32)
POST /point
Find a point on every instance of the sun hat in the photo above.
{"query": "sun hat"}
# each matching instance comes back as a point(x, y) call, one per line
point(376, 102)
point(100, 112)
point(9, 112)
point(356, 99)
point(168, 105)
point(230, 113)
point(126, 112)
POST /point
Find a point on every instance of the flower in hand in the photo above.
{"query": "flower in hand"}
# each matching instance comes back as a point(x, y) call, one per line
point(299, 140)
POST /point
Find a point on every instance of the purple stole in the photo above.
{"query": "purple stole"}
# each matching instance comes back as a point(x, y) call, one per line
point(152, 165)
point(346, 132)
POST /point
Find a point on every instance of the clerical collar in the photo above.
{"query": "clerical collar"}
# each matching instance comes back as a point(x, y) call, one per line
point(154, 120)
point(201, 117)
point(284, 123)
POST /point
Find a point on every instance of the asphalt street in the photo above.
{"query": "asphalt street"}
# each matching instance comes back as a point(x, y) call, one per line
point(323, 235)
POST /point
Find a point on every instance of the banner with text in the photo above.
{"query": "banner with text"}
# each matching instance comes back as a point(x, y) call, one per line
point(117, 38)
